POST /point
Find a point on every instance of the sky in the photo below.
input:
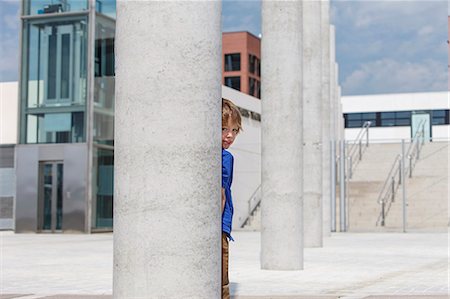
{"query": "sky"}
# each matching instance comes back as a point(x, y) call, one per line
point(381, 46)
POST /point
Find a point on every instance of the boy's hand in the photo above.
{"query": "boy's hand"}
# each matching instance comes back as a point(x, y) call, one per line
point(223, 199)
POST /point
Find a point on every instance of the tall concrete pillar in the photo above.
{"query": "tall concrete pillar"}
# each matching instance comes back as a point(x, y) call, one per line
point(341, 113)
point(312, 124)
point(332, 84)
point(326, 158)
point(167, 223)
point(337, 100)
point(281, 135)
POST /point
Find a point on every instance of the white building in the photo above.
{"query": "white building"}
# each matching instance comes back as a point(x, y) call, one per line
point(397, 116)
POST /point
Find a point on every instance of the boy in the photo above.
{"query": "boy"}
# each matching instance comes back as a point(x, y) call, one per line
point(231, 125)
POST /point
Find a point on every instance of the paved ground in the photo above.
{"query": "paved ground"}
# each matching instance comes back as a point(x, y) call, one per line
point(350, 265)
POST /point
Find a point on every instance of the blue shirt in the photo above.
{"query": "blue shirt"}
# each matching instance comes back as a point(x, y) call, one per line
point(227, 180)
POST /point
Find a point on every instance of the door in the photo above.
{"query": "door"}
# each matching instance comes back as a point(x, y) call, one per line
point(419, 122)
point(50, 201)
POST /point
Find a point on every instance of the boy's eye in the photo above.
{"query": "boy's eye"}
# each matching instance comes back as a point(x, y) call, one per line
point(235, 130)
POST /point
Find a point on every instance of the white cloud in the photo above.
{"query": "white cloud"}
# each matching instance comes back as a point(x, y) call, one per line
point(391, 46)
point(388, 75)
point(425, 30)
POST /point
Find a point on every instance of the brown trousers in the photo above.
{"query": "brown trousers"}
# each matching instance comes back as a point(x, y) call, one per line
point(225, 281)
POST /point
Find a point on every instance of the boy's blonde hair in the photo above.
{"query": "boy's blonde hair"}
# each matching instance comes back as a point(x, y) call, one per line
point(230, 110)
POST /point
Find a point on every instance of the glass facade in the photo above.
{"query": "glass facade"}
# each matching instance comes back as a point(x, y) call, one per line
point(104, 81)
point(41, 7)
point(103, 122)
point(58, 105)
point(55, 80)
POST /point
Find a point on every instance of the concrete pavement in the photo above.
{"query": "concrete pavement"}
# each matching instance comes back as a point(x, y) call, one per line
point(350, 265)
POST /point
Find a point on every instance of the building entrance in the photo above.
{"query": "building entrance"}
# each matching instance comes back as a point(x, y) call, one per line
point(50, 198)
point(421, 121)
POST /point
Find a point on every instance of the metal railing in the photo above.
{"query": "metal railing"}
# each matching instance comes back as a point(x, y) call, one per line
point(397, 174)
point(357, 149)
point(253, 203)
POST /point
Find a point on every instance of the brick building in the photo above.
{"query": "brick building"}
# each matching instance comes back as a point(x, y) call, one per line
point(241, 52)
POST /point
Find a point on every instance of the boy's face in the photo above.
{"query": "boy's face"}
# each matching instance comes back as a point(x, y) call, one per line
point(229, 132)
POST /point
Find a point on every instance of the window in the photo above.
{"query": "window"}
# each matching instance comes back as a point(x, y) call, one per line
point(106, 7)
point(357, 120)
point(233, 82)
point(258, 67)
point(253, 64)
point(258, 90)
point(251, 86)
point(232, 62)
point(440, 117)
point(104, 81)
point(400, 118)
point(55, 128)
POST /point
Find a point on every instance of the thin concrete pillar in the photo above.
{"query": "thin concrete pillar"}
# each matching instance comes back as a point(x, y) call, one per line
point(167, 224)
point(281, 135)
point(312, 124)
point(332, 84)
point(341, 125)
point(326, 140)
point(336, 99)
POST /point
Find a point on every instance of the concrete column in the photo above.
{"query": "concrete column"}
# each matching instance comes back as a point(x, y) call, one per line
point(326, 148)
point(337, 100)
point(312, 124)
point(341, 114)
point(167, 223)
point(332, 84)
point(281, 135)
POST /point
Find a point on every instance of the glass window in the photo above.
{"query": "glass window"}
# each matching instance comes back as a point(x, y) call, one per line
point(232, 62)
point(103, 187)
point(357, 120)
point(56, 63)
point(104, 81)
point(354, 116)
point(403, 114)
point(438, 113)
point(388, 122)
point(403, 122)
point(233, 82)
point(55, 128)
point(440, 117)
point(251, 86)
point(106, 7)
point(258, 67)
point(258, 93)
point(385, 115)
point(354, 124)
point(369, 116)
point(37, 7)
point(252, 63)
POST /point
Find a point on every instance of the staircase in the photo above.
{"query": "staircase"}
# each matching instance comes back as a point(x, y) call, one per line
point(427, 190)
point(254, 221)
